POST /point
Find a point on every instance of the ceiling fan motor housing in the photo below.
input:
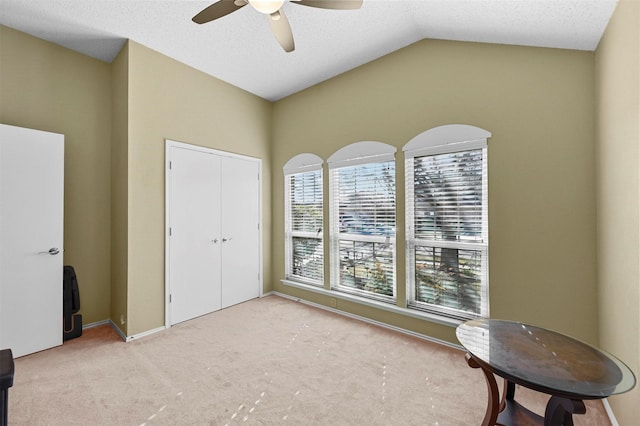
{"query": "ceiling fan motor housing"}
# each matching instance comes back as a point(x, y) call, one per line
point(266, 6)
point(275, 15)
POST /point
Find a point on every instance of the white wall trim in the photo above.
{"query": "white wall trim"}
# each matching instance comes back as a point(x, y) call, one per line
point(143, 334)
point(607, 408)
point(118, 331)
point(183, 145)
point(300, 163)
point(167, 216)
point(361, 153)
point(370, 321)
point(447, 134)
point(96, 324)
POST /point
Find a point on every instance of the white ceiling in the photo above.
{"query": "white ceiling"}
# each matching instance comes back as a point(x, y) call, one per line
point(241, 50)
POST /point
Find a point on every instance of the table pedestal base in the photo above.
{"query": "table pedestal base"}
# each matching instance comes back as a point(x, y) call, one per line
point(560, 411)
point(506, 411)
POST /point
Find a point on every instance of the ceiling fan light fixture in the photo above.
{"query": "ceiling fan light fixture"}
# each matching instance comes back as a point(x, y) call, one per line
point(266, 6)
point(275, 14)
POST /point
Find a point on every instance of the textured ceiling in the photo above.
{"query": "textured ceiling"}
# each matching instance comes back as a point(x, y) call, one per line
point(241, 50)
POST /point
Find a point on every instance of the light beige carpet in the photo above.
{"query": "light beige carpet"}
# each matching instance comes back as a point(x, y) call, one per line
point(268, 361)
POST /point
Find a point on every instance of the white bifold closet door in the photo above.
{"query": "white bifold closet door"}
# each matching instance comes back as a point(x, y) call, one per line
point(240, 234)
point(195, 224)
point(213, 252)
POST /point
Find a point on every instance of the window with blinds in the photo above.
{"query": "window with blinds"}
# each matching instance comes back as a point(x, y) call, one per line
point(363, 223)
point(303, 227)
point(447, 229)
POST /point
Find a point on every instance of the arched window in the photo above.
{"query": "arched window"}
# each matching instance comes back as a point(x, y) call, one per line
point(362, 213)
point(447, 221)
point(303, 219)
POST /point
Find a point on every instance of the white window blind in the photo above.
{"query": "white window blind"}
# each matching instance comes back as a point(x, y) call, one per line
point(363, 226)
point(447, 231)
point(303, 226)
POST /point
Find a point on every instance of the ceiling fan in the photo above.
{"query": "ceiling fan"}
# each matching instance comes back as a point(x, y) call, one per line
point(275, 14)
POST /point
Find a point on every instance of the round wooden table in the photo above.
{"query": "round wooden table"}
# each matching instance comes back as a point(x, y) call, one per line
point(543, 360)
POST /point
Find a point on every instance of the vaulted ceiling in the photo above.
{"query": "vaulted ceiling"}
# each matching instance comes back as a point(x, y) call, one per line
point(241, 50)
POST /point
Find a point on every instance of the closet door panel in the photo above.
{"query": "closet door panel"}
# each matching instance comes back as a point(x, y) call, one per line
point(240, 234)
point(194, 270)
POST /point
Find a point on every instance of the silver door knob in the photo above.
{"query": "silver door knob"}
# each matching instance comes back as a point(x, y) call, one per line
point(214, 241)
point(52, 251)
point(224, 240)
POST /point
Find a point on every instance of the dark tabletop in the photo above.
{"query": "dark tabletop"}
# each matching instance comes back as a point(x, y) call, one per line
point(545, 360)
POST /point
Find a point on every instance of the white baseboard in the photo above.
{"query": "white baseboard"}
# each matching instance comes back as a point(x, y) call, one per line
point(144, 333)
point(117, 330)
point(96, 324)
point(120, 333)
point(106, 322)
point(607, 408)
point(368, 320)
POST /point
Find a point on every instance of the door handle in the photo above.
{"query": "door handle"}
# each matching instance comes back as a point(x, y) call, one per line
point(224, 240)
point(214, 241)
point(52, 251)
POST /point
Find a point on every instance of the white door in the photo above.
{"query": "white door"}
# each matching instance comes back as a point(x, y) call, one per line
point(31, 236)
point(213, 215)
point(240, 220)
point(194, 218)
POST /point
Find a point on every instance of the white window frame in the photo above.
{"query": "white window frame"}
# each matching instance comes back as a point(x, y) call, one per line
point(444, 140)
point(357, 154)
point(302, 163)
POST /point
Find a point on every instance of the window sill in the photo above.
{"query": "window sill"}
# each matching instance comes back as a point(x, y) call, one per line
point(450, 322)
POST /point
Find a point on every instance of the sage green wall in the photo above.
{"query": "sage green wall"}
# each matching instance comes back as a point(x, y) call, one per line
point(115, 118)
point(119, 187)
point(47, 87)
point(539, 105)
point(618, 185)
point(168, 99)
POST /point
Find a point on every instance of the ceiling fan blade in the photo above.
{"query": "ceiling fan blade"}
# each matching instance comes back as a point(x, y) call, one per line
point(218, 10)
point(331, 4)
point(282, 30)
